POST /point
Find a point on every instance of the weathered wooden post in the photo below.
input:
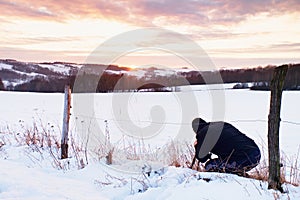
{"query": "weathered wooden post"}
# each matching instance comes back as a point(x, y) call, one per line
point(273, 127)
point(66, 119)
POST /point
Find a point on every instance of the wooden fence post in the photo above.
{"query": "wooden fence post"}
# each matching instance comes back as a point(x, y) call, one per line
point(66, 119)
point(273, 127)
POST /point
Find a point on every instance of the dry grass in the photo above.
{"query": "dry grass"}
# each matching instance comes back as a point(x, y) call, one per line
point(289, 170)
point(129, 148)
point(42, 138)
point(180, 154)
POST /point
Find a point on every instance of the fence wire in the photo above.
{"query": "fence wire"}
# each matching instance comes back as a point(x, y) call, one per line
point(182, 123)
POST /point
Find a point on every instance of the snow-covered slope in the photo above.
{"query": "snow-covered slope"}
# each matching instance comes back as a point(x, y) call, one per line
point(13, 72)
point(34, 172)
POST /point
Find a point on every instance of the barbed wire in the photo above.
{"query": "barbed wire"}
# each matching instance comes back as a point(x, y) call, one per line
point(157, 122)
point(183, 123)
point(290, 122)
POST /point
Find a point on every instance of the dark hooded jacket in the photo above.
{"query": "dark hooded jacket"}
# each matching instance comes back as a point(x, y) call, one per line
point(222, 139)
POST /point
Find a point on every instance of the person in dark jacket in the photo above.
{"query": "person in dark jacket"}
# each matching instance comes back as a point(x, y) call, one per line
point(236, 152)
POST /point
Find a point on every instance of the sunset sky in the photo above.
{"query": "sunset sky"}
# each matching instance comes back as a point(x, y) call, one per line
point(234, 33)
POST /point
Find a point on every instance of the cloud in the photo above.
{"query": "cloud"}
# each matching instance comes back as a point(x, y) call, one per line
point(39, 40)
point(287, 48)
point(30, 55)
point(286, 45)
point(201, 20)
point(234, 62)
point(23, 9)
point(147, 12)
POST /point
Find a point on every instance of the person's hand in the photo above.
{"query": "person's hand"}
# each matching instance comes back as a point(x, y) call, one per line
point(209, 155)
point(205, 158)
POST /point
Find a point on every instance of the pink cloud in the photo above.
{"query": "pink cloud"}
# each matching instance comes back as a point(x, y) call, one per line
point(143, 12)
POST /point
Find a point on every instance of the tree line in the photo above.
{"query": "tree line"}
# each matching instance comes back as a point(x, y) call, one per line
point(260, 77)
point(118, 82)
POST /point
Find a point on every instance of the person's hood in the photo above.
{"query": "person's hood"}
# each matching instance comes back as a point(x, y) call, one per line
point(198, 124)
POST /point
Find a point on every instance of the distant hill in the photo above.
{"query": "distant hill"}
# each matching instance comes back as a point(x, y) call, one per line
point(52, 77)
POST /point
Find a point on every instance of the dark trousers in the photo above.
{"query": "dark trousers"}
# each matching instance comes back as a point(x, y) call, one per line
point(234, 165)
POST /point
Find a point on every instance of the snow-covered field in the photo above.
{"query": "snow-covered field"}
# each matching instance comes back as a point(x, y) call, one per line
point(28, 172)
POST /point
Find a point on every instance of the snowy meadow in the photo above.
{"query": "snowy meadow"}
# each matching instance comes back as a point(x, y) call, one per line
point(147, 139)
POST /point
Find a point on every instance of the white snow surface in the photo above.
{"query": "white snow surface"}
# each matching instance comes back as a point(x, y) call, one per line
point(5, 66)
point(29, 173)
point(23, 179)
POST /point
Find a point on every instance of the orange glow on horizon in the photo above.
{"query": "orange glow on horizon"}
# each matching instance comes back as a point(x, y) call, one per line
point(252, 33)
